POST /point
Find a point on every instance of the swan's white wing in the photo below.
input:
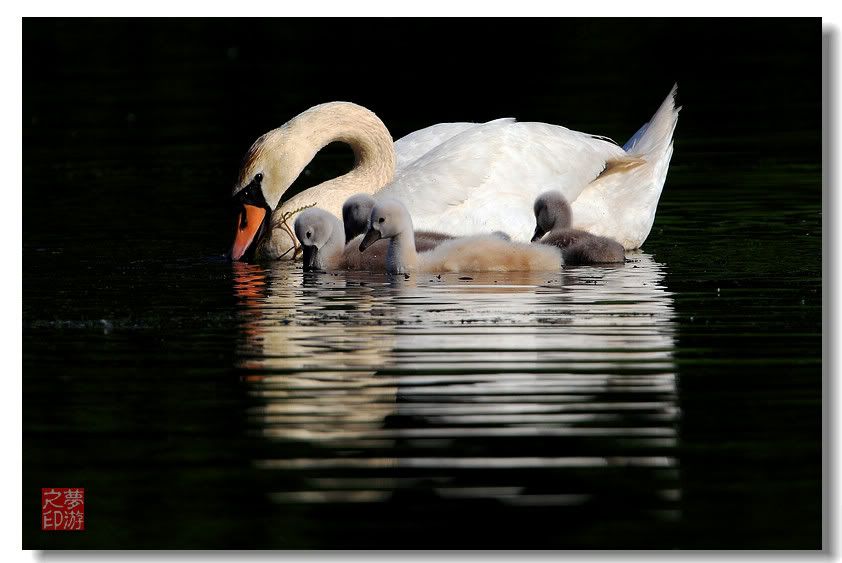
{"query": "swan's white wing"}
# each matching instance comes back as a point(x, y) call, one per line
point(410, 148)
point(487, 177)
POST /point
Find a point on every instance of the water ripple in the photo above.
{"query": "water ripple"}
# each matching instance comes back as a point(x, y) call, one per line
point(521, 389)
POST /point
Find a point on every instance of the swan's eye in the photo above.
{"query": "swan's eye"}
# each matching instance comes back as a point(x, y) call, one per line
point(381, 220)
point(309, 234)
point(259, 176)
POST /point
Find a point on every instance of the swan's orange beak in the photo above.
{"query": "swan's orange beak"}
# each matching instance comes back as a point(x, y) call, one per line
point(249, 221)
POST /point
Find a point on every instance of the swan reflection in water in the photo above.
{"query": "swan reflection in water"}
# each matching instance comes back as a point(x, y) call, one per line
point(494, 387)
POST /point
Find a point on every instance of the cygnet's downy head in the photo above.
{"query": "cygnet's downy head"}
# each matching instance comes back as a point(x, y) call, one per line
point(355, 214)
point(315, 229)
point(551, 212)
point(388, 219)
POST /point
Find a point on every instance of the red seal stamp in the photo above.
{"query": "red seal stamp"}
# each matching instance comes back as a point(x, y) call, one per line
point(62, 509)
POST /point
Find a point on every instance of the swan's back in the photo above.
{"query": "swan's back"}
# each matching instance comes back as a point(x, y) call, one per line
point(489, 253)
point(413, 146)
point(486, 177)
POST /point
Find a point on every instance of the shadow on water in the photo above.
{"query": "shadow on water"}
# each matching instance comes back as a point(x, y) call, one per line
point(477, 405)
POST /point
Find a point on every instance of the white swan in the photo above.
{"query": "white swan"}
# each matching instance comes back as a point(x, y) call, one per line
point(460, 178)
point(478, 253)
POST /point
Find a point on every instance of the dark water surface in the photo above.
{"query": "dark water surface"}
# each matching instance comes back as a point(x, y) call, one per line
point(673, 402)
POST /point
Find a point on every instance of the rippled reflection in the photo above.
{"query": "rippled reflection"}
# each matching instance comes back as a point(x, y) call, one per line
point(538, 390)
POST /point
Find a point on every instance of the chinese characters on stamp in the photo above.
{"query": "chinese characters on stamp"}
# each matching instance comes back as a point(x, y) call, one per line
point(62, 509)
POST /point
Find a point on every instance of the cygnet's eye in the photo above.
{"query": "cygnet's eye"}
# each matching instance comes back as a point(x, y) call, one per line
point(259, 176)
point(381, 220)
point(309, 234)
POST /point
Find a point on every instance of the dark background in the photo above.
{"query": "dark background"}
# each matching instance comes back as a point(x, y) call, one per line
point(132, 134)
point(143, 114)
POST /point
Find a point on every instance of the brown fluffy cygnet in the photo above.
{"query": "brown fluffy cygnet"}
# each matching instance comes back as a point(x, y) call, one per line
point(355, 214)
point(553, 218)
point(483, 253)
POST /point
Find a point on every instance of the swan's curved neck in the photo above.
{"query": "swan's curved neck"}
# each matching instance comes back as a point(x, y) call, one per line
point(302, 137)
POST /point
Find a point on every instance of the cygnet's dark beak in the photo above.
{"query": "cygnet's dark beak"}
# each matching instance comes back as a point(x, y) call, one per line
point(309, 257)
point(539, 232)
point(370, 238)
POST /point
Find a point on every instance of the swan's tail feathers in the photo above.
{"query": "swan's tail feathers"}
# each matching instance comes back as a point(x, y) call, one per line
point(622, 201)
point(655, 137)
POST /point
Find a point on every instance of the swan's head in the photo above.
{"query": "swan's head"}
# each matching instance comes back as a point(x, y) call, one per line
point(389, 218)
point(355, 214)
point(551, 212)
point(269, 168)
point(315, 229)
point(276, 159)
point(252, 218)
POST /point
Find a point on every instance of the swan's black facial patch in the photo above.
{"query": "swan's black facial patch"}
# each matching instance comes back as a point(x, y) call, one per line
point(252, 194)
